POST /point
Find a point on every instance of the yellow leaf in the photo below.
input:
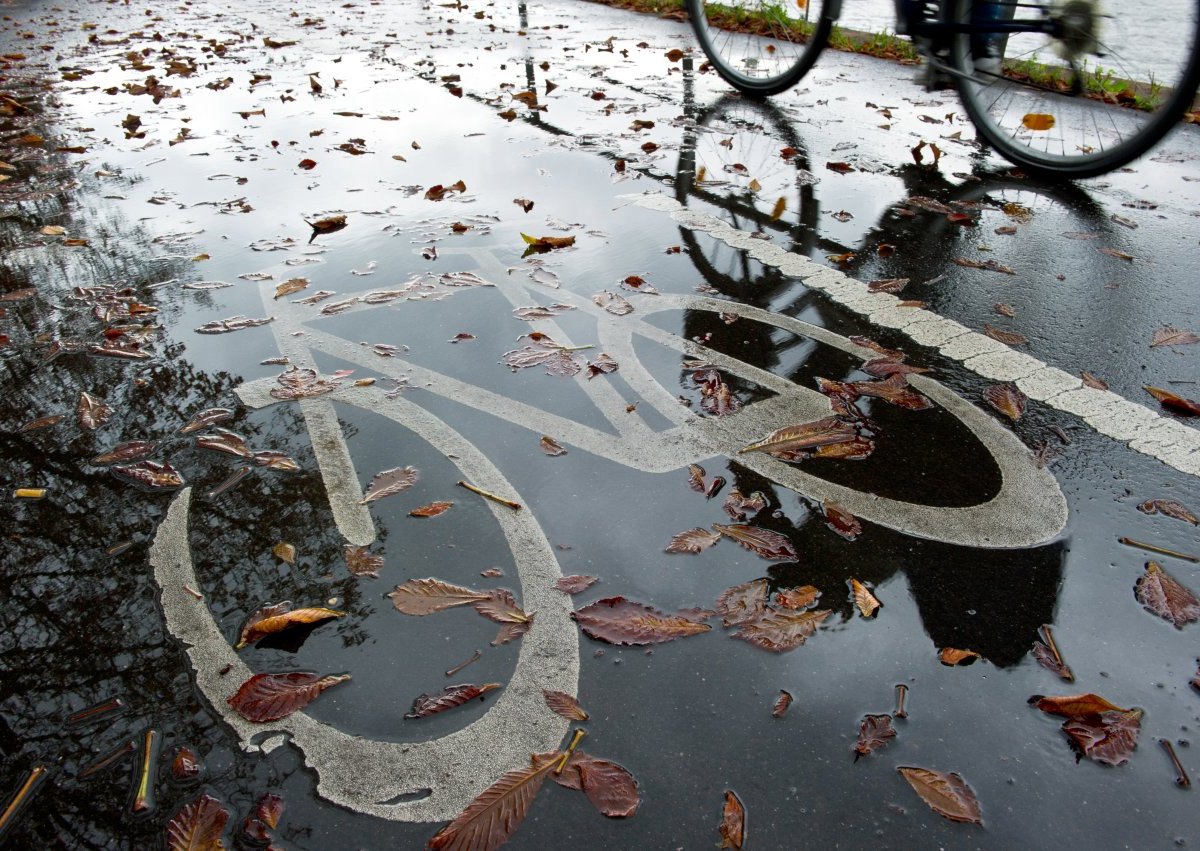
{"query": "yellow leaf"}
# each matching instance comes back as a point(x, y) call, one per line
point(53, 230)
point(1038, 121)
point(755, 185)
point(780, 207)
point(200, 257)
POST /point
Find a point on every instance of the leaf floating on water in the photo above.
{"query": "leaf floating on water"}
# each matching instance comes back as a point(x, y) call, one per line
point(292, 285)
point(696, 478)
point(1109, 738)
point(361, 562)
point(1174, 401)
point(841, 521)
point(1162, 594)
point(269, 697)
point(206, 418)
point(546, 243)
point(792, 443)
point(426, 596)
point(797, 598)
point(946, 793)
point(894, 390)
point(867, 603)
point(733, 822)
point(1007, 399)
point(741, 507)
point(952, 656)
point(129, 451)
point(1170, 508)
point(301, 384)
point(616, 620)
point(233, 323)
point(609, 786)
point(602, 365)
point(281, 616)
point(390, 482)
point(149, 474)
point(575, 584)
point(285, 552)
point(198, 825)
point(329, 224)
point(565, 705)
point(782, 631)
point(277, 461)
point(986, 265)
point(489, 820)
point(499, 606)
point(743, 603)
point(551, 446)
point(1073, 705)
point(764, 542)
point(638, 284)
point(263, 818)
point(40, 423)
point(1047, 655)
point(1170, 336)
point(511, 631)
point(873, 734)
point(433, 509)
point(185, 767)
point(613, 303)
point(92, 412)
point(451, 696)
point(223, 440)
point(692, 541)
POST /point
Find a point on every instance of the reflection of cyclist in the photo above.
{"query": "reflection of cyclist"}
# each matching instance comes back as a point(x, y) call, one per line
point(987, 49)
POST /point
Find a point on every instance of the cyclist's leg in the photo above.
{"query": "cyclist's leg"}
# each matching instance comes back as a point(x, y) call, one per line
point(988, 48)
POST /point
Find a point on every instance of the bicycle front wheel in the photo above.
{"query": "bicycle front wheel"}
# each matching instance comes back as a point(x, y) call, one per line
point(761, 47)
point(1104, 88)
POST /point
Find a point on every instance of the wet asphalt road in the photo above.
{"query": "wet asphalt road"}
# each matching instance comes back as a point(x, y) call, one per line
point(977, 529)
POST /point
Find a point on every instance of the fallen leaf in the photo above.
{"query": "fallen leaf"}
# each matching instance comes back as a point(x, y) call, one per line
point(1092, 381)
point(639, 285)
point(1007, 399)
point(946, 793)
point(864, 599)
point(361, 561)
point(451, 696)
point(1169, 507)
point(281, 616)
point(741, 507)
point(616, 620)
point(873, 734)
point(264, 818)
point(501, 607)
point(92, 412)
point(426, 596)
point(1120, 255)
point(149, 474)
point(206, 418)
point(602, 365)
point(511, 631)
point(781, 704)
point(1171, 400)
point(781, 631)
point(307, 164)
point(986, 265)
point(524, 203)
point(575, 583)
point(551, 446)
point(743, 603)
point(692, 541)
point(613, 303)
point(390, 482)
point(1038, 121)
point(129, 451)
point(696, 478)
point(733, 822)
point(292, 285)
point(285, 552)
point(1008, 338)
point(269, 697)
point(223, 440)
point(841, 521)
point(565, 705)
point(609, 786)
point(953, 656)
point(1109, 737)
point(198, 825)
point(185, 767)
point(887, 285)
point(433, 509)
point(438, 191)
point(1171, 336)
point(893, 390)
point(1073, 705)
point(792, 443)
point(1162, 594)
point(546, 243)
point(40, 423)
point(797, 598)
point(764, 542)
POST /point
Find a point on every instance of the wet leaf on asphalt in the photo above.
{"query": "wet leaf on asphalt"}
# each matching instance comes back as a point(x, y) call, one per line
point(301, 384)
point(433, 509)
point(206, 418)
point(609, 786)
point(1073, 705)
point(986, 265)
point(451, 697)
point(198, 825)
point(565, 705)
point(603, 364)
point(501, 607)
point(867, 603)
point(764, 542)
point(696, 478)
point(276, 461)
point(692, 541)
point(874, 732)
point(840, 520)
point(545, 243)
point(149, 474)
point(742, 508)
point(946, 793)
point(793, 443)
point(40, 423)
point(264, 818)
point(285, 552)
point(362, 562)
point(1046, 658)
point(224, 440)
point(613, 303)
point(1008, 338)
point(575, 583)
point(782, 703)
point(269, 697)
point(233, 323)
point(512, 631)
point(272, 619)
point(1170, 508)
point(488, 821)
point(1173, 401)
point(551, 446)
point(185, 767)
point(1162, 594)
point(292, 285)
point(1007, 399)
point(1109, 737)
point(1092, 381)
point(952, 656)
point(797, 598)
point(1171, 336)
point(733, 821)
point(782, 631)
point(426, 596)
point(388, 482)
point(893, 390)
point(128, 451)
point(92, 412)
point(742, 603)
point(616, 620)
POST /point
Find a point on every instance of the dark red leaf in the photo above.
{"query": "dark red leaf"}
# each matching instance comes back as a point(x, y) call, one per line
point(149, 474)
point(565, 705)
point(946, 793)
point(733, 822)
point(451, 696)
point(574, 584)
point(185, 767)
point(1169, 507)
point(197, 825)
point(841, 521)
point(269, 697)
point(616, 620)
point(692, 541)
point(1162, 594)
point(1109, 737)
point(764, 542)
point(743, 603)
point(1007, 399)
point(781, 704)
point(873, 734)
point(781, 631)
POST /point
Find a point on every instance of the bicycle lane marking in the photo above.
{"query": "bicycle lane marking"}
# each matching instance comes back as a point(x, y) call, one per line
point(1142, 429)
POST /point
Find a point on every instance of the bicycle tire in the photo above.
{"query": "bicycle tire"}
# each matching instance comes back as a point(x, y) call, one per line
point(759, 46)
point(1022, 113)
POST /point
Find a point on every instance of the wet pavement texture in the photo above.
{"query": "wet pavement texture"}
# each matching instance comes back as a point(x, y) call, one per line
point(756, 249)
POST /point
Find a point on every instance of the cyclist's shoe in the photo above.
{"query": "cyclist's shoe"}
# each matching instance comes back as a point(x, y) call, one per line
point(989, 63)
point(932, 78)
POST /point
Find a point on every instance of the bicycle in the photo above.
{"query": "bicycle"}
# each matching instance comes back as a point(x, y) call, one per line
point(1064, 88)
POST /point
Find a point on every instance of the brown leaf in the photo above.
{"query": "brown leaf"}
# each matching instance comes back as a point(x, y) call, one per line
point(797, 598)
point(781, 704)
point(1109, 737)
point(873, 734)
point(285, 552)
point(206, 418)
point(946, 793)
point(741, 507)
point(616, 620)
point(301, 384)
point(361, 562)
point(1005, 309)
point(613, 303)
point(149, 474)
point(742, 603)
point(92, 412)
point(490, 819)
point(792, 443)
point(1171, 336)
point(551, 446)
point(986, 265)
point(602, 365)
point(129, 451)
point(1007, 399)
point(894, 390)
point(263, 819)
point(511, 631)
point(764, 542)
point(1162, 594)
point(198, 825)
point(864, 599)
point(307, 164)
point(277, 461)
point(224, 440)
point(639, 285)
point(1046, 658)
point(39, 423)
point(389, 482)
point(733, 822)
point(292, 285)
point(609, 786)
point(1171, 400)
point(953, 656)
point(185, 767)
point(1092, 381)
point(433, 509)
point(574, 584)
point(269, 697)
point(841, 521)
point(437, 192)
point(524, 203)
point(499, 606)
point(1073, 705)
point(1169, 507)
point(696, 478)
point(887, 285)
point(1008, 338)
point(781, 631)
point(545, 243)
point(426, 596)
point(692, 541)
point(565, 705)
point(1120, 255)
point(273, 619)
point(451, 696)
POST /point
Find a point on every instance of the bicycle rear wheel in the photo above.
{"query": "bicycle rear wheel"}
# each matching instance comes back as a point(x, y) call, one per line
point(761, 47)
point(1113, 80)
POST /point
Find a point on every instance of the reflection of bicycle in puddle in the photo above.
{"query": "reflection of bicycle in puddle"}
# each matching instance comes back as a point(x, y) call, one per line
point(432, 780)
